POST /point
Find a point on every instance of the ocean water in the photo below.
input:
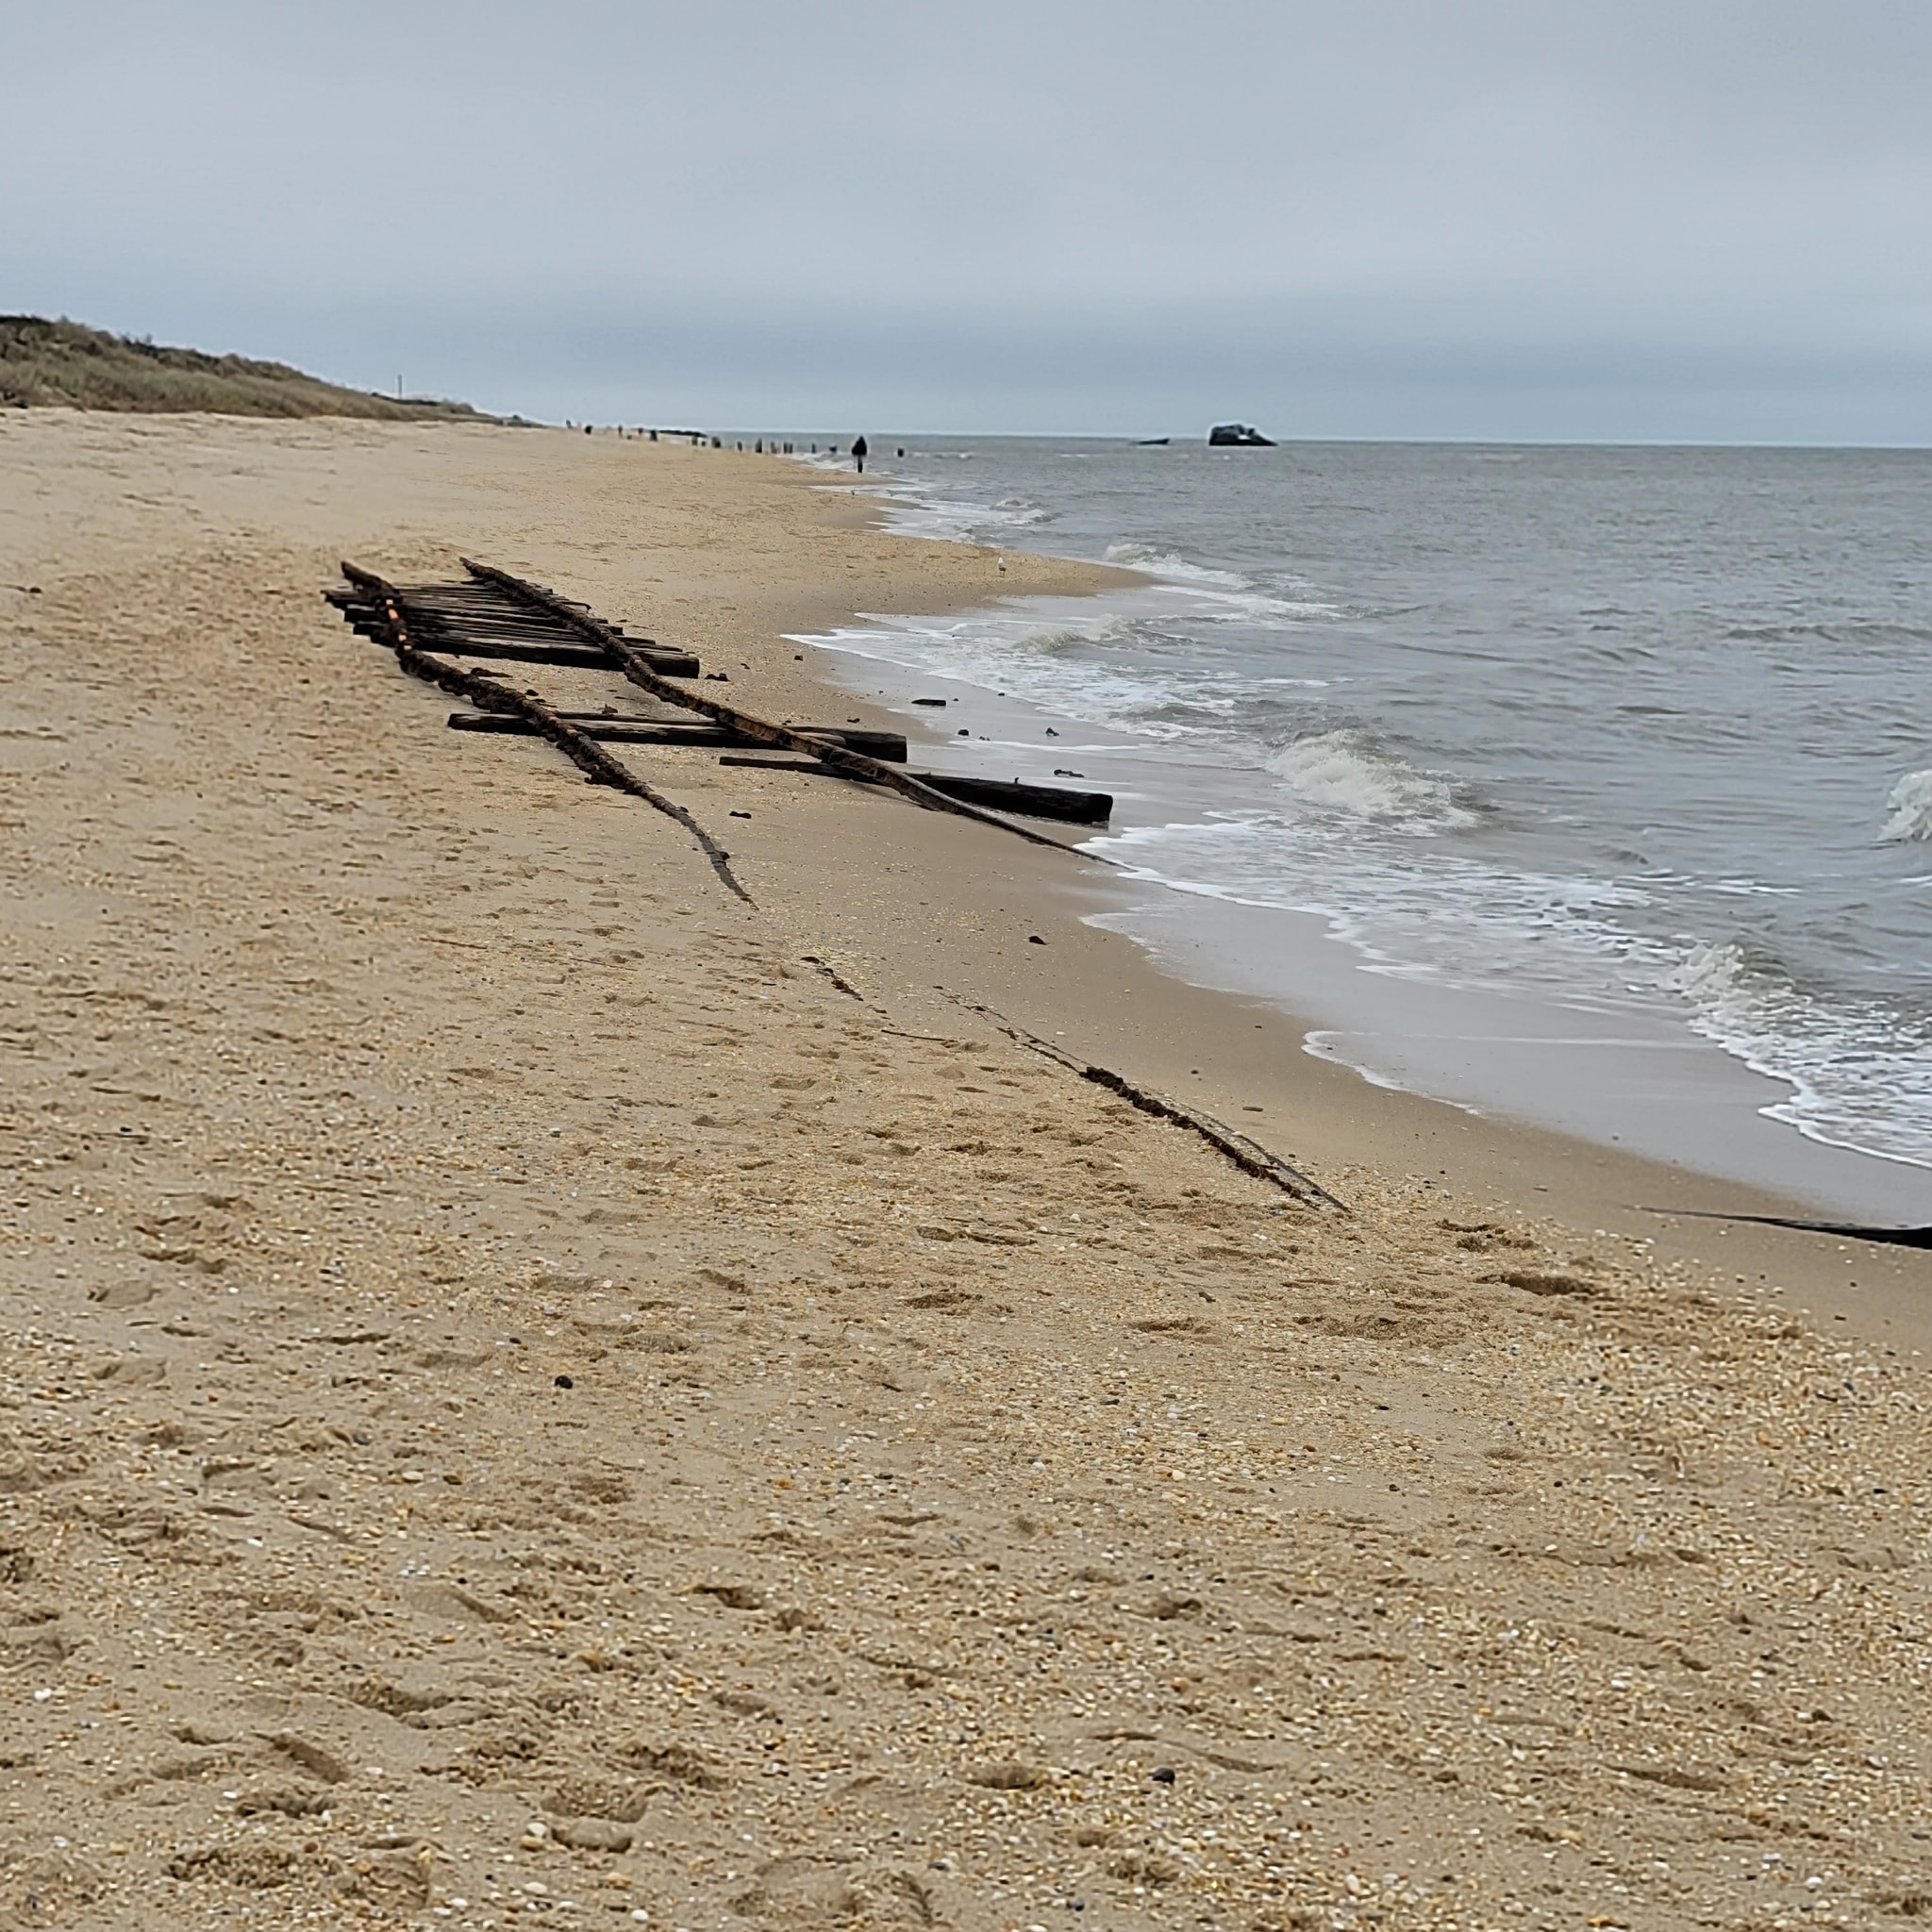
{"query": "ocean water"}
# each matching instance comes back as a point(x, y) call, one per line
point(1635, 740)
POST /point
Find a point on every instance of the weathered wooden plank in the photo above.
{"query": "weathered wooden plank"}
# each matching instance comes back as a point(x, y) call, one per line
point(520, 654)
point(632, 664)
point(1031, 801)
point(888, 745)
point(579, 655)
point(496, 629)
point(1027, 801)
point(487, 694)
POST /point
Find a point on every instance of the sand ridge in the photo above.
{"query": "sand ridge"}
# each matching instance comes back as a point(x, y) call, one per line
point(524, 1401)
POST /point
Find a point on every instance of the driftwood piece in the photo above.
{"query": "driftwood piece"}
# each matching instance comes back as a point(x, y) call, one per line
point(487, 694)
point(785, 737)
point(1844, 1230)
point(1249, 1156)
point(1032, 801)
point(1029, 801)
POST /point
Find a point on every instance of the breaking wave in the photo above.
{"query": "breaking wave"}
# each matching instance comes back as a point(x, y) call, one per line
point(1910, 806)
point(1166, 563)
point(1348, 772)
point(1859, 1071)
point(1697, 809)
point(1225, 594)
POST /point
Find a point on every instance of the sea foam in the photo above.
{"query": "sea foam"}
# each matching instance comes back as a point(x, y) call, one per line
point(1498, 741)
point(1349, 772)
point(1910, 806)
point(1858, 1068)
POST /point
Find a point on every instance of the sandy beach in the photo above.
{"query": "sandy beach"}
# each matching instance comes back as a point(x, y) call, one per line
point(535, 1392)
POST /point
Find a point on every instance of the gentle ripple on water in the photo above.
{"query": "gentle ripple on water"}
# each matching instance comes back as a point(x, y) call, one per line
point(1605, 724)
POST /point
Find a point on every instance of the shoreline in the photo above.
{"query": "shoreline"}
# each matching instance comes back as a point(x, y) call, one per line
point(1443, 1044)
point(1644, 1074)
point(520, 1386)
point(1100, 994)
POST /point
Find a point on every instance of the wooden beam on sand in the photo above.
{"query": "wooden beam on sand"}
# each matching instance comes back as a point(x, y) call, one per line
point(487, 694)
point(573, 656)
point(625, 658)
point(1031, 801)
point(889, 745)
point(482, 625)
point(1844, 1230)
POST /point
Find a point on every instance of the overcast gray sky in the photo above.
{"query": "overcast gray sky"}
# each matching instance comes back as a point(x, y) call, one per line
point(1701, 220)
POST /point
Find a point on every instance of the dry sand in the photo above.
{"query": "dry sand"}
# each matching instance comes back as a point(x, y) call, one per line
point(525, 1403)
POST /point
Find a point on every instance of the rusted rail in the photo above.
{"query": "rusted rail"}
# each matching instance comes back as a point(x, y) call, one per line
point(624, 657)
point(424, 629)
point(487, 694)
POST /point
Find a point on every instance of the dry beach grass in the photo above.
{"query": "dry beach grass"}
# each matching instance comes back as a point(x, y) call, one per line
point(525, 1402)
point(45, 363)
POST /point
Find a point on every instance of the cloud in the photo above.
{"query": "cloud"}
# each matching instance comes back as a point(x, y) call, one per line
point(1033, 207)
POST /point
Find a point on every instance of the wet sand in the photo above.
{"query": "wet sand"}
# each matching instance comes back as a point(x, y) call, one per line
point(525, 1400)
point(1632, 1080)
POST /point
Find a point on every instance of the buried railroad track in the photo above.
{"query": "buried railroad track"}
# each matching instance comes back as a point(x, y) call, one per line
point(495, 617)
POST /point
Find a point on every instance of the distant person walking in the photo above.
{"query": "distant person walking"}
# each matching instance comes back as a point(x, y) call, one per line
point(858, 454)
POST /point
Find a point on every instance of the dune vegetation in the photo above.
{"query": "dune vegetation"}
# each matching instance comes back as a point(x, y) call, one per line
point(67, 365)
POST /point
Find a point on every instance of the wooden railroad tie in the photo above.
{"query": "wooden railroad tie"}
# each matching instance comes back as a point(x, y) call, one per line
point(497, 616)
point(428, 627)
point(505, 617)
point(888, 745)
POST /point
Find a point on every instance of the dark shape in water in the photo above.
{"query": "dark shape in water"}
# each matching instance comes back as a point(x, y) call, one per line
point(1237, 435)
point(1155, 442)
